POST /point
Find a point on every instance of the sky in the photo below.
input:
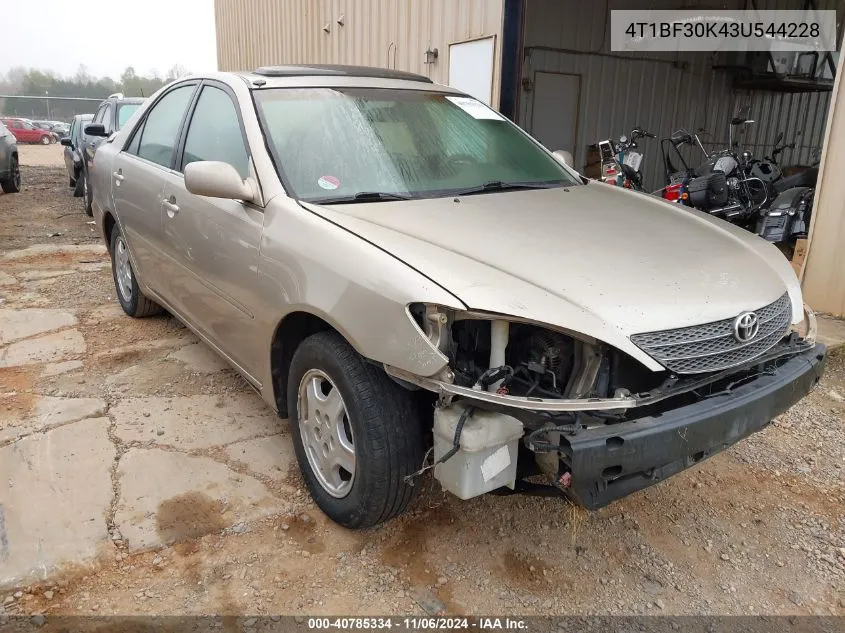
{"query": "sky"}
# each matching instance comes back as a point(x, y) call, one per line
point(108, 35)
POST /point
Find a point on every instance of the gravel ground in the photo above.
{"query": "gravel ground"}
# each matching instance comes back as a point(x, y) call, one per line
point(758, 529)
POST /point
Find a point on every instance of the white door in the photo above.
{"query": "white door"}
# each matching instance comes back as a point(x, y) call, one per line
point(554, 118)
point(471, 68)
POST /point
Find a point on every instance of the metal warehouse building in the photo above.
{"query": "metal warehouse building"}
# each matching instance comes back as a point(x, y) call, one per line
point(547, 65)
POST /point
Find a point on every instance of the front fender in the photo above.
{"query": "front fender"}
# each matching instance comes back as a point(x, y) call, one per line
point(308, 264)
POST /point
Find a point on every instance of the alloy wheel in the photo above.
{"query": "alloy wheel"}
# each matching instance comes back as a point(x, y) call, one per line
point(326, 433)
point(122, 269)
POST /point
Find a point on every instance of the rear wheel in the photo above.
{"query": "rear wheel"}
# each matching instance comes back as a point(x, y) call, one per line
point(357, 434)
point(132, 300)
point(12, 182)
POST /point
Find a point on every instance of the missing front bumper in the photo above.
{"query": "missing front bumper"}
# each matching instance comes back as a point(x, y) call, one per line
point(612, 461)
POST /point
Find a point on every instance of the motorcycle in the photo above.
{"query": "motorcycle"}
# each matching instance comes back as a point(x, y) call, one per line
point(621, 162)
point(723, 186)
point(787, 218)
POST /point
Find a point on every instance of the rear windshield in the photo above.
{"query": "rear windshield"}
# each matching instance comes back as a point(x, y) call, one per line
point(332, 142)
point(124, 111)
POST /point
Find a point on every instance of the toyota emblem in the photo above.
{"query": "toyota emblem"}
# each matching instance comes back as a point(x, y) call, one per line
point(746, 326)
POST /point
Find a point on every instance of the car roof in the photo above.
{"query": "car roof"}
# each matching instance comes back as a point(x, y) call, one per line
point(327, 75)
point(119, 100)
point(322, 70)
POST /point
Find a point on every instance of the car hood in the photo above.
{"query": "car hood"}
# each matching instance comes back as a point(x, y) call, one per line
point(594, 259)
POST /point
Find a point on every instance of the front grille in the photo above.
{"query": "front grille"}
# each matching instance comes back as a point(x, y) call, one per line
point(712, 346)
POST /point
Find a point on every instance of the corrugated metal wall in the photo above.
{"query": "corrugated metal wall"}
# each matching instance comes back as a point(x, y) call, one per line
point(660, 92)
point(385, 33)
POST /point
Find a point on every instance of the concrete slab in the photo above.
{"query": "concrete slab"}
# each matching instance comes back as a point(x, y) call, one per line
point(40, 250)
point(53, 502)
point(6, 279)
point(194, 422)
point(55, 369)
point(831, 331)
point(48, 412)
point(93, 267)
point(168, 497)
point(18, 324)
point(36, 275)
point(269, 456)
point(43, 349)
point(199, 357)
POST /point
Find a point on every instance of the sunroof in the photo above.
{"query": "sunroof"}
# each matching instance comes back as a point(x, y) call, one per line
point(338, 70)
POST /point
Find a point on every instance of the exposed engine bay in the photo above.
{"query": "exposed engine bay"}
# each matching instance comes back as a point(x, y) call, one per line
point(502, 368)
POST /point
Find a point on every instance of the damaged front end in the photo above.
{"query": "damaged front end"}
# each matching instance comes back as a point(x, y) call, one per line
point(530, 408)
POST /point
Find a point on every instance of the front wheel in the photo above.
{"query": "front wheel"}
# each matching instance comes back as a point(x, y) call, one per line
point(12, 182)
point(45, 140)
point(86, 194)
point(357, 434)
point(134, 302)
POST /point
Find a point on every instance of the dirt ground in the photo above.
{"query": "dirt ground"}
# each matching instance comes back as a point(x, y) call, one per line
point(758, 529)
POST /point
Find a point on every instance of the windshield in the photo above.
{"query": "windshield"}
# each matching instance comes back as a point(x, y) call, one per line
point(125, 111)
point(331, 143)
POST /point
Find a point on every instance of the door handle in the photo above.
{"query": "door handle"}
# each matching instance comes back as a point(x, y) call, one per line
point(118, 175)
point(171, 206)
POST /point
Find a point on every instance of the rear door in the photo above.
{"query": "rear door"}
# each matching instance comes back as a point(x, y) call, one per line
point(138, 176)
point(213, 243)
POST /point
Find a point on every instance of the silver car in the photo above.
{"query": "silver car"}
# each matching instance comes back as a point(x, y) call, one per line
point(417, 284)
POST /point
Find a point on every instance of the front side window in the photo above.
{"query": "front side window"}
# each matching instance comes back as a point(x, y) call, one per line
point(331, 143)
point(124, 111)
point(158, 137)
point(215, 132)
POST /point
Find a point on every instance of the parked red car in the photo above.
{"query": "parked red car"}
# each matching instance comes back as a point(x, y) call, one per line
point(26, 132)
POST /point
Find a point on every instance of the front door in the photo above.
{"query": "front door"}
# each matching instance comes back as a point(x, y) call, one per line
point(213, 243)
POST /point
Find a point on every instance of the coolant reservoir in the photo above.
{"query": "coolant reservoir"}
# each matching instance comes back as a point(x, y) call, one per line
point(488, 450)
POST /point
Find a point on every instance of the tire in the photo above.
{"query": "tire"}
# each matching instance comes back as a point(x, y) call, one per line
point(130, 297)
point(380, 420)
point(77, 185)
point(86, 194)
point(45, 140)
point(12, 182)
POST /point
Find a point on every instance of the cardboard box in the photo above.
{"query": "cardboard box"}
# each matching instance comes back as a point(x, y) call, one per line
point(799, 255)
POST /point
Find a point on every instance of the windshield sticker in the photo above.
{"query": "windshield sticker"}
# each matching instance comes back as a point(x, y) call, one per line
point(328, 182)
point(475, 109)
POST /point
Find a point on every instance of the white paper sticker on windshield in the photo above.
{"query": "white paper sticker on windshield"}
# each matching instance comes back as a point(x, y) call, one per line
point(475, 109)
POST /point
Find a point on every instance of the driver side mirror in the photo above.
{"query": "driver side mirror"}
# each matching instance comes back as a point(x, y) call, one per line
point(66, 141)
point(96, 129)
point(564, 157)
point(216, 179)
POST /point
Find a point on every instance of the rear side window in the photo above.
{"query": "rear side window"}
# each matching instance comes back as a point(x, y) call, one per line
point(124, 111)
point(160, 133)
point(215, 132)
